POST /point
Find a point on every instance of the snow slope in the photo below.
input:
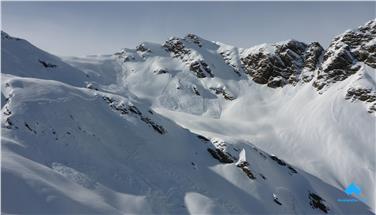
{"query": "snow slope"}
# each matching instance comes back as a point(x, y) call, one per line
point(21, 58)
point(187, 127)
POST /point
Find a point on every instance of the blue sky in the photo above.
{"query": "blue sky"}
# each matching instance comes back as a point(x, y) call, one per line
point(80, 28)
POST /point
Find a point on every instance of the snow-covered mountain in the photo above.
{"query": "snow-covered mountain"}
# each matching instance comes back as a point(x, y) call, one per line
point(190, 126)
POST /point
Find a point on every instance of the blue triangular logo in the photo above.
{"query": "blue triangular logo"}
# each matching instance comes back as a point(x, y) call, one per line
point(353, 189)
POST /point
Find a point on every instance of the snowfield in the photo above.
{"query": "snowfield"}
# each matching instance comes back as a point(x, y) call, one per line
point(190, 126)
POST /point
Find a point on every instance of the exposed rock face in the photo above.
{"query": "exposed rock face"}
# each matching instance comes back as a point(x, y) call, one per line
point(199, 68)
point(125, 109)
point(176, 47)
point(46, 64)
point(142, 48)
point(312, 57)
point(368, 53)
point(337, 65)
point(194, 38)
point(220, 91)
point(244, 166)
point(283, 65)
point(290, 62)
point(260, 67)
point(362, 43)
point(317, 202)
point(366, 96)
point(345, 51)
point(220, 155)
point(338, 59)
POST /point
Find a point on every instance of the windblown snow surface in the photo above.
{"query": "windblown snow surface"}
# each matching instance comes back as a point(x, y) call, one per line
point(182, 128)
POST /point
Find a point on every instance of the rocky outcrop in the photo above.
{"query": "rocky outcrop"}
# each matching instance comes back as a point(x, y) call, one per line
point(338, 64)
point(317, 202)
point(283, 163)
point(203, 138)
point(176, 47)
point(221, 91)
point(343, 55)
point(312, 58)
point(125, 109)
point(220, 155)
point(283, 65)
point(366, 96)
point(200, 68)
point(142, 48)
point(361, 94)
point(362, 43)
point(244, 166)
point(194, 39)
point(46, 64)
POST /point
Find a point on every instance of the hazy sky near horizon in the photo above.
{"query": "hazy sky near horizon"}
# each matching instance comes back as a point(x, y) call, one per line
point(81, 28)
